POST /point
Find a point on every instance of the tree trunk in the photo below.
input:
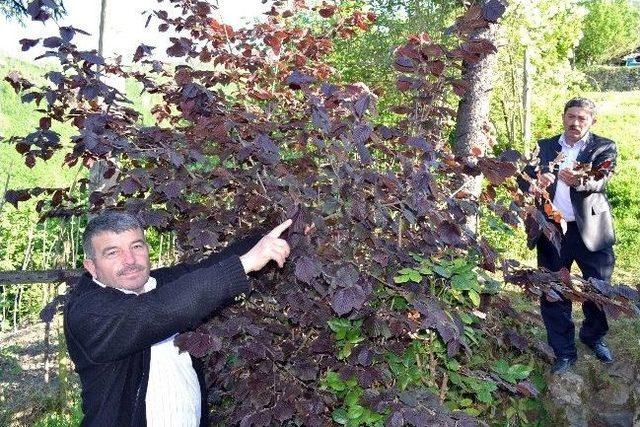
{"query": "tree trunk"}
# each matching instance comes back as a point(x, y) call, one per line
point(472, 120)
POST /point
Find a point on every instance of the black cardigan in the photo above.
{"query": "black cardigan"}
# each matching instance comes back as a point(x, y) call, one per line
point(109, 333)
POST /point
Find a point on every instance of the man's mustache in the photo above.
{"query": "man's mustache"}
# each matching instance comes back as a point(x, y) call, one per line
point(134, 268)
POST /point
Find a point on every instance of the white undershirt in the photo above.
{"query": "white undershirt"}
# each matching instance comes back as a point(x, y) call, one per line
point(173, 392)
point(562, 198)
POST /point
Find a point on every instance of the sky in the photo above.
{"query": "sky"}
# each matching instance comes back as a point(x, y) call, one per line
point(124, 29)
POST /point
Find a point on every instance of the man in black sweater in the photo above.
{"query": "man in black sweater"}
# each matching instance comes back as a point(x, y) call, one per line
point(121, 319)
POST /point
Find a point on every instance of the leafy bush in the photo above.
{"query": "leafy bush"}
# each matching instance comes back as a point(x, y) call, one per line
point(390, 282)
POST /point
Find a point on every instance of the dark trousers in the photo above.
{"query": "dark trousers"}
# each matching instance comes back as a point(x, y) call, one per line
point(557, 315)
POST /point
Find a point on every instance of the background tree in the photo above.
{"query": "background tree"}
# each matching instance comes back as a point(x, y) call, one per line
point(548, 31)
point(611, 30)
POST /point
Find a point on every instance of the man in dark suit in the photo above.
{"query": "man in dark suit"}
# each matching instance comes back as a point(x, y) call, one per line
point(589, 236)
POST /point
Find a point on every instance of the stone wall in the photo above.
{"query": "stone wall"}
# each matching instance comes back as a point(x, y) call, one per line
point(593, 395)
point(618, 79)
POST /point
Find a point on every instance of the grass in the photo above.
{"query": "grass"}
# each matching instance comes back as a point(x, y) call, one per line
point(18, 119)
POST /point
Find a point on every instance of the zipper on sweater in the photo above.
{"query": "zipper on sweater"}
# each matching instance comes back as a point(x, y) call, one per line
point(139, 395)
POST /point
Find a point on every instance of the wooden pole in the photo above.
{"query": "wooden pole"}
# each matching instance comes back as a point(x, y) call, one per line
point(38, 276)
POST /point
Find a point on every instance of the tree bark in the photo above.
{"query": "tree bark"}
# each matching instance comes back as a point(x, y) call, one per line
point(472, 119)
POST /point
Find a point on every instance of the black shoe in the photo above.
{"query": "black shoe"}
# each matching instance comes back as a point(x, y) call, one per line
point(602, 352)
point(562, 364)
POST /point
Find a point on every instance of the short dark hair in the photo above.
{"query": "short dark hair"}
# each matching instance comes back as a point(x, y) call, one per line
point(113, 221)
point(585, 103)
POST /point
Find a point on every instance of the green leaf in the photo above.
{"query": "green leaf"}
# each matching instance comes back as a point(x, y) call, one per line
point(474, 297)
point(452, 365)
point(340, 416)
point(399, 303)
point(354, 412)
point(520, 372)
point(416, 257)
point(466, 402)
point(501, 367)
point(465, 282)
point(415, 277)
point(441, 271)
point(334, 382)
point(406, 271)
point(466, 318)
point(339, 326)
point(352, 397)
point(401, 279)
point(425, 271)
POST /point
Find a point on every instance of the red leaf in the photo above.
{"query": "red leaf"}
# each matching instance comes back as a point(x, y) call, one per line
point(327, 11)
point(45, 123)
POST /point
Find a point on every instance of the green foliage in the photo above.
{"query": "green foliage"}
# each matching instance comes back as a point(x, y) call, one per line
point(347, 335)
point(610, 31)
point(9, 364)
point(69, 416)
point(548, 30)
point(351, 413)
point(452, 280)
point(511, 373)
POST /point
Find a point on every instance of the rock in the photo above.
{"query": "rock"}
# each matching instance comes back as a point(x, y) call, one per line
point(623, 370)
point(616, 394)
point(613, 419)
point(566, 389)
point(565, 397)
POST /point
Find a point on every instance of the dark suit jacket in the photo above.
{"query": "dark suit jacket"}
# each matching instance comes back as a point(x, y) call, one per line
point(589, 201)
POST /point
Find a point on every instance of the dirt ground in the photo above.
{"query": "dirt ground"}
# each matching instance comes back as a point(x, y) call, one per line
point(25, 391)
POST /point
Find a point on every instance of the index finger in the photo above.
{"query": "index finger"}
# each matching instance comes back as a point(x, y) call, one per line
point(276, 232)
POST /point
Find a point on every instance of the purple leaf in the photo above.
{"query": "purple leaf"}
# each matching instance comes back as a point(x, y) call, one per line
point(67, 33)
point(173, 189)
point(346, 299)
point(307, 269)
point(198, 344)
point(267, 151)
point(28, 43)
point(492, 10)
point(297, 80)
point(15, 196)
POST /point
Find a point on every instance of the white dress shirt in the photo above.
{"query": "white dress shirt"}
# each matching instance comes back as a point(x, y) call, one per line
point(562, 197)
point(173, 392)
